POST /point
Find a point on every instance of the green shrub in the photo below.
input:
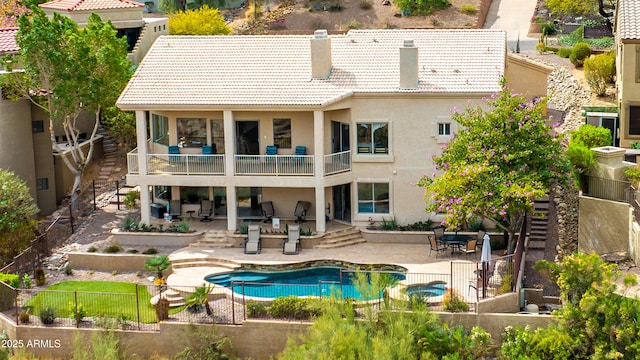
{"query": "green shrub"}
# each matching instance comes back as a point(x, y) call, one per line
point(47, 315)
point(635, 145)
point(150, 251)
point(421, 7)
point(129, 224)
point(26, 281)
point(112, 249)
point(453, 302)
point(130, 199)
point(633, 174)
point(564, 52)
point(591, 136)
point(256, 309)
point(68, 270)
point(92, 249)
point(365, 4)
point(575, 37)
point(580, 156)
point(390, 224)
point(40, 276)
point(476, 225)
point(292, 307)
point(354, 24)
point(599, 71)
point(306, 232)
point(244, 228)
point(77, 312)
point(24, 317)
point(468, 9)
point(579, 53)
point(132, 251)
point(12, 280)
point(540, 47)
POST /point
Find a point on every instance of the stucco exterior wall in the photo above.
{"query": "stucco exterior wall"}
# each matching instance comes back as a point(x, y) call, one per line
point(627, 86)
point(153, 28)
point(603, 227)
point(109, 262)
point(526, 77)
point(16, 151)
point(44, 162)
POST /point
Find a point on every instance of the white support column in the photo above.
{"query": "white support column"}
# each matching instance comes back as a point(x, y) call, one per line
point(145, 205)
point(318, 161)
point(229, 169)
point(232, 208)
point(141, 131)
point(143, 169)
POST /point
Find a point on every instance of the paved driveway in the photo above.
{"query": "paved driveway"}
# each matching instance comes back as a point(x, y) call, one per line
point(514, 16)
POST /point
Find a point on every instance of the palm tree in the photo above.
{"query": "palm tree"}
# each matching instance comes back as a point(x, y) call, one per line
point(199, 298)
point(158, 264)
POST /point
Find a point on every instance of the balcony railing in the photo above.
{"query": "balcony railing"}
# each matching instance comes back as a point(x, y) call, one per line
point(179, 164)
point(250, 165)
point(274, 165)
point(337, 162)
point(608, 189)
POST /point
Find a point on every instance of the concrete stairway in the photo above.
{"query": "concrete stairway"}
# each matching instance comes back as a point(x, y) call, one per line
point(539, 224)
point(202, 261)
point(345, 237)
point(213, 239)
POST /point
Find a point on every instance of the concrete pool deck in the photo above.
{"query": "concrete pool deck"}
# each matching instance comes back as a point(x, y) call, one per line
point(199, 262)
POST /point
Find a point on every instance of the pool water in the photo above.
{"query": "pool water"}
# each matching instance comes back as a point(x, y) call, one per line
point(318, 281)
point(432, 289)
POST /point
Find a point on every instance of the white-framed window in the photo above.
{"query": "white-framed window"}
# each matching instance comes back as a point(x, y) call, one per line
point(192, 132)
point(373, 197)
point(282, 133)
point(444, 129)
point(160, 129)
point(634, 120)
point(373, 138)
point(42, 184)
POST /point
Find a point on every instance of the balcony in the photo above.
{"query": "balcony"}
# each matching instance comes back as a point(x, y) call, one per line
point(245, 165)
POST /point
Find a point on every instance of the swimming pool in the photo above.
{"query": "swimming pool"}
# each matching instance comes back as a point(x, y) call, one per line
point(314, 281)
point(432, 289)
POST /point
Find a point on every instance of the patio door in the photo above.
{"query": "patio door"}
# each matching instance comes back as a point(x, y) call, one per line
point(611, 123)
point(247, 138)
point(342, 202)
point(339, 136)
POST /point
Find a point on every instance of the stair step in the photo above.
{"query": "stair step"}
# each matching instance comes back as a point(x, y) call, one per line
point(339, 244)
point(537, 245)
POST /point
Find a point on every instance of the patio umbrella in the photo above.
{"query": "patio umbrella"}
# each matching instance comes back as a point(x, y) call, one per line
point(486, 251)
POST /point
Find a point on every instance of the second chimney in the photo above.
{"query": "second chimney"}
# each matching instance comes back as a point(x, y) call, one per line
point(408, 65)
point(320, 55)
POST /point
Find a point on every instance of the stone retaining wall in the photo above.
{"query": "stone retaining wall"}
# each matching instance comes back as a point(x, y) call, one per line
point(155, 239)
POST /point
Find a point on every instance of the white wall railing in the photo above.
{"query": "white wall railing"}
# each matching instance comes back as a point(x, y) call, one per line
point(337, 162)
point(275, 165)
point(269, 165)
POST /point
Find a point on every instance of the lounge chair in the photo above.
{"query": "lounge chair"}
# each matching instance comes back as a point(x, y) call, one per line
point(175, 209)
point(292, 245)
point(267, 210)
point(436, 246)
point(301, 211)
point(206, 210)
point(480, 238)
point(252, 243)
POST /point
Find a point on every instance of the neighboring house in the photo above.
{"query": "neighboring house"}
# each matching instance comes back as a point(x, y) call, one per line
point(125, 15)
point(25, 141)
point(229, 118)
point(627, 39)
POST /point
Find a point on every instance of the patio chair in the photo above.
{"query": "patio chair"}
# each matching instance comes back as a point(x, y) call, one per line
point(206, 210)
point(175, 151)
point(292, 245)
point(438, 232)
point(272, 150)
point(267, 210)
point(252, 243)
point(470, 248)
point(301, 211)
point(175, 209)
point(436, 246)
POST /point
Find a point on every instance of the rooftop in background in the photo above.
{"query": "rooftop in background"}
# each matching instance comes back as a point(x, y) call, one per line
point(191, 71)
point(628, 18)
point(88, 5)
point(8, 40)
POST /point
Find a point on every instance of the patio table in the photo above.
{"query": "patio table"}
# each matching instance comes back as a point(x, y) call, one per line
point(455, 240)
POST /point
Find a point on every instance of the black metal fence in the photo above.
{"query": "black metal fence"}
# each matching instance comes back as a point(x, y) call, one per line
point(143, 306)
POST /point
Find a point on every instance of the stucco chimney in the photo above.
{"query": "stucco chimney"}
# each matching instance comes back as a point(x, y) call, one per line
point(320, 55)
point(408, 65)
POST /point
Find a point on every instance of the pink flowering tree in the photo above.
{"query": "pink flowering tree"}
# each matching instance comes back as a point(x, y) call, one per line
point(10, 11)
point(502, 158)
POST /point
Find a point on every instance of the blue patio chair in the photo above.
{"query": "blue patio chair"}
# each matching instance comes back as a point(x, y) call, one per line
point(301, 150)
point(174, 150)
point(272, 150)
point(207, 150)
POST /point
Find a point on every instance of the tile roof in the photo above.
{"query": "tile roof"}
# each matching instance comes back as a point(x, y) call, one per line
point(87, 5)
point(276, 70)
point(8, 40)
point(628, 19)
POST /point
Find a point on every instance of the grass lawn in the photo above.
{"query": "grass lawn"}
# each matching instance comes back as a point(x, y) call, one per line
point(99, 298)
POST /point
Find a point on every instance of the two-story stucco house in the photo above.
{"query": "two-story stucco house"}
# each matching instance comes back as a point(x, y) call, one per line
point(348, 123)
